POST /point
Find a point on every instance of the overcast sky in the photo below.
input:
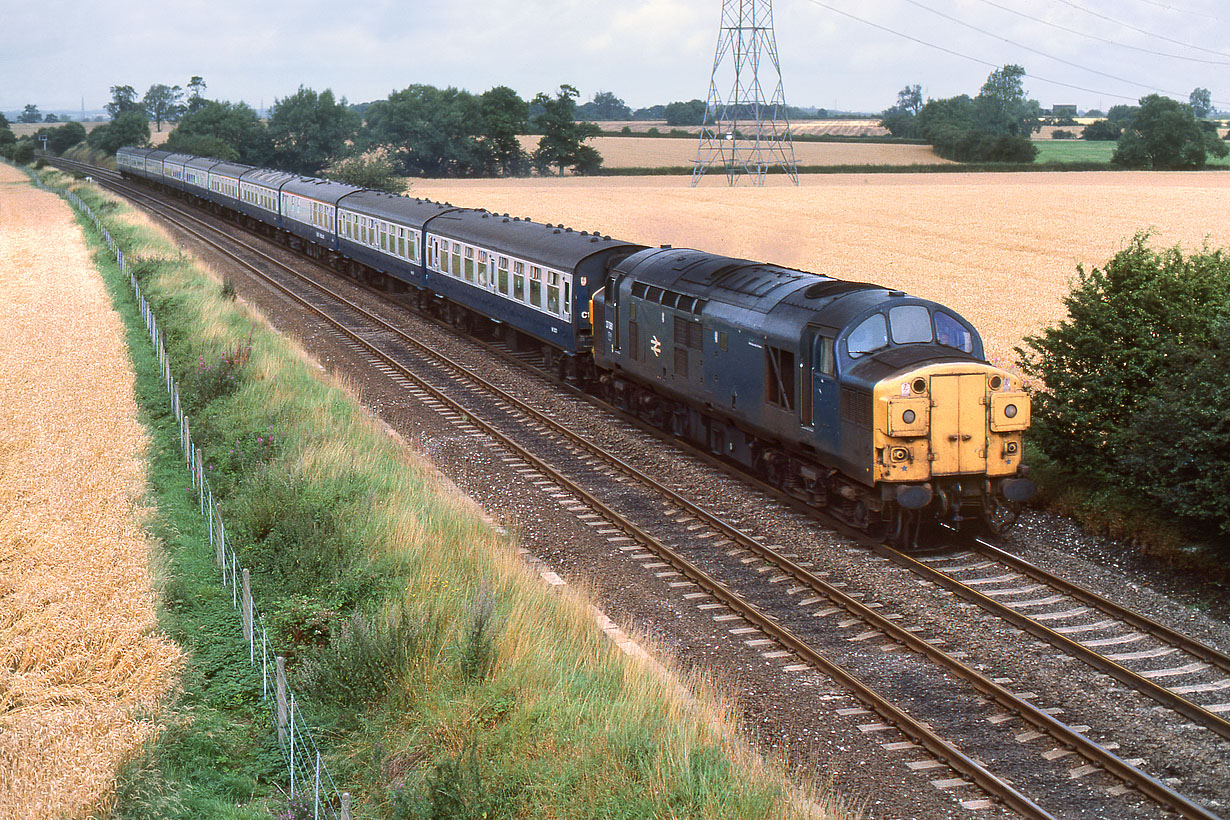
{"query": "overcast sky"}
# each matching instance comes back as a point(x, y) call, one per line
point(646, 51)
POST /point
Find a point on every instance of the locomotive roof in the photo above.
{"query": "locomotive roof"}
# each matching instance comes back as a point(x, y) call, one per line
point(551, 245)
point(399, 209)
point(761, 287)
point(267, 177)
point(321, 190)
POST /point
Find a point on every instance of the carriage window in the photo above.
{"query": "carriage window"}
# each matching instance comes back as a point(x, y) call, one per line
point(536, 286)
point(950, 332)
point(519, 281)
point(482, 268)
point(910, 324)
point(401, 242)
point(871, 334)
point(469, 268)
point(567, 299)
point(502, 268)
point(553, 299)
point(384, 237)
point(457, 259)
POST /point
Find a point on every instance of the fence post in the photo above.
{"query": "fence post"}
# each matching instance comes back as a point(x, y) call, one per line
point(234, 581)
point(220, 546)
point(345, 815)
point(292, 744)
point(279, 683)
point(264, 662)
point(316, 790)
point(210, 517)
point(247, 617)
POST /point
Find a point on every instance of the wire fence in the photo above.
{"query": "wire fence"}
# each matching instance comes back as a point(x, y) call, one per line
point(311, 786)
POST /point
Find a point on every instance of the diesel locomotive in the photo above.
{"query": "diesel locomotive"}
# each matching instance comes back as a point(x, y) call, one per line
point(873, 404)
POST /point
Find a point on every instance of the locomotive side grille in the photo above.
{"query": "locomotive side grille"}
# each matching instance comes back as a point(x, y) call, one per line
point(855, 406)
point(688, 333)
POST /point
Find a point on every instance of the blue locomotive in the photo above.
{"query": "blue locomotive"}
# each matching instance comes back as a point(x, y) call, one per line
point(871, 403)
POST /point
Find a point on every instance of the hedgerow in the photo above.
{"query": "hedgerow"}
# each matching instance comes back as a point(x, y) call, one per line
point(1137, 380)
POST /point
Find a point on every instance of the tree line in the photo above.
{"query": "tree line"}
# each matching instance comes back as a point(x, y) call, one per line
point(996, 125)
point(417, 131)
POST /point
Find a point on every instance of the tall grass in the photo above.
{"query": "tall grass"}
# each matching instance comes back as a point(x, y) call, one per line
point(452, 681)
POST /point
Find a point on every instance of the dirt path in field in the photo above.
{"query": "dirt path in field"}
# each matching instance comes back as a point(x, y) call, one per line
point(999, 248)
point(78, 660)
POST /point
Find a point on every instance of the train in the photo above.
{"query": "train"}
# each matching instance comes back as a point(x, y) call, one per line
point(874, 405)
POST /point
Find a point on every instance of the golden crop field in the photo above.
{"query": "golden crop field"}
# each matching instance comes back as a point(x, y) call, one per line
point(856, 127)
point(999, 248)
point(665, 152)
point(81, 668)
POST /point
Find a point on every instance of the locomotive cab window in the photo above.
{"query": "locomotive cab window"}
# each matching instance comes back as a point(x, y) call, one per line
point(951, 333)
point(824, 361)
point(910, 324)
point(869, 336)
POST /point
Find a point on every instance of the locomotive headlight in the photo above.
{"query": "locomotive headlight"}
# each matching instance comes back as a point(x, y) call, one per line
point(1010, 447)
point(899, 453)
point(908, 416)
point(1010, 411)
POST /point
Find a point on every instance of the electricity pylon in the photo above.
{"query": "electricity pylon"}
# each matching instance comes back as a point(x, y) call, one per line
point(742, 134)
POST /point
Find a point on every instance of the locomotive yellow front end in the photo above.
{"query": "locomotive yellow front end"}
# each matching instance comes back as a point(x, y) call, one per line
point(948, 438)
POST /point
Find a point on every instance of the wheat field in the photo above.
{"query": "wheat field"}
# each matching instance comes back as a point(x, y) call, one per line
point(665, 152)
point(999, 248)
point(81, 668)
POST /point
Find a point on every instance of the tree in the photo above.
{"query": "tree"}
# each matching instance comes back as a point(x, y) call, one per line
point(562, 142)
point(129, 128)
point(123, 100)
point(162, 102)
point(372, 170)
point(691, 112)
point(223, 130)
point(1103, 130)
point(30, 114)
point(992, 127)
point(505, 115)
point(605, 106)
point(1122, 115)
point(1003, 108)
point(1202, 103)
point(51, 118)
point(431, 132)
point(64, 137)
point(1165, 134)
point(309, 129)
point(196, 92)
point(1138, 379)
point(901, 120)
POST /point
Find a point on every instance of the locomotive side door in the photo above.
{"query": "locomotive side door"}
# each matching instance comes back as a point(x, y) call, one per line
point(819, 405)
point(611, 329)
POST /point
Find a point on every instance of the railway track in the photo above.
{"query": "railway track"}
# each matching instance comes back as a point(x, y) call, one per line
point(762, 592)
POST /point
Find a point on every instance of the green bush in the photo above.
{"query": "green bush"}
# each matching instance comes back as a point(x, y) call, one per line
point(363, 658)
point(1137, 380)
point(23, 153)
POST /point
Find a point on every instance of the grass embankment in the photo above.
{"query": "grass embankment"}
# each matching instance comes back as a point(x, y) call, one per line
point(445, 680)
point(1096, 152)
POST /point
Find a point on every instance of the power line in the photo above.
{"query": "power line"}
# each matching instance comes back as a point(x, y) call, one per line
point(1184, 11)
point(971, 58)
point(1011, 42)
point(1146, 32)
point(1103, 39)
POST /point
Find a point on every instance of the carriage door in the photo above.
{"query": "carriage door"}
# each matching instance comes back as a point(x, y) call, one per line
point(614, 338)
point(818, 404)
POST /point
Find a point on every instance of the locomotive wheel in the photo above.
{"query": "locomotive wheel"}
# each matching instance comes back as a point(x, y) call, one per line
point(999, 515)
